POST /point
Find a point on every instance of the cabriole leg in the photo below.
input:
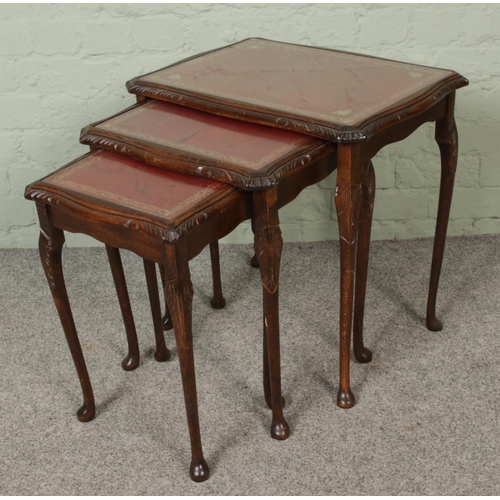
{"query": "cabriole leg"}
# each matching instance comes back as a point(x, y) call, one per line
point(131, 360)
point(265, 371)
point(179, 293)
point(166, 320)
point(253, 261)
point(50, 246)
point(362, 353)
point(347, 201)
point(218, 301)
point(162, 353)
point(447, 139)
point(265, 358)
point(266, 382)
point(268, 247)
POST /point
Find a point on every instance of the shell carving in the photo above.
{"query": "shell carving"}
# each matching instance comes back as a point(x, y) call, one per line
point(348, 201)
point(46, 247)
point(268, 247)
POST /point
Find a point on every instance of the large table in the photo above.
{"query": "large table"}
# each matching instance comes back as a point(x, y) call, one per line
point(360, 103)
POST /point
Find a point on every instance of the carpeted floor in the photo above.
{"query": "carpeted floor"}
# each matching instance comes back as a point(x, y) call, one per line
point(427, 415)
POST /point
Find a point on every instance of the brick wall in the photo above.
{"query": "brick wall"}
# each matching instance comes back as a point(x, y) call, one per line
point(64, 66)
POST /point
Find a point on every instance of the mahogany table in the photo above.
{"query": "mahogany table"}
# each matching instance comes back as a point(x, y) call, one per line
point(275, 164)
point(358, 102)
point(163, 217)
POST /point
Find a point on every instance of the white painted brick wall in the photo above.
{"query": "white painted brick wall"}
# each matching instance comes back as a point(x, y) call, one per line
point(64, 66)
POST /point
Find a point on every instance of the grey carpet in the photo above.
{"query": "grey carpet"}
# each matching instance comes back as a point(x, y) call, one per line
point(427, 415)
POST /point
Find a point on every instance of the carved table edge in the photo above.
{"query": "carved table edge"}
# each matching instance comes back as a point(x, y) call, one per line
point(166, 232)
point(254, 182)
point(348, 135)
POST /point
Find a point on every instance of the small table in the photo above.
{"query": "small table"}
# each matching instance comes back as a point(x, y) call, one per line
point(360, 103)
point(164, 217)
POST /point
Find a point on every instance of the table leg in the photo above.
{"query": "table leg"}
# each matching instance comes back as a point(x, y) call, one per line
point(268, 247)
point(266, 382)
point(253, 260)
point(447, 139)
point(218, 301)
point(166, 320)
point(50, 246)
point(161, 353)
point(362, 353)
point(348, 196)
point(265, 357)
point(131, 360)
point(179, 293)
point(265, 371)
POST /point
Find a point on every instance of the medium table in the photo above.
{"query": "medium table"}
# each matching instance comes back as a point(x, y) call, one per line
point(361, 103)
point(274, 164)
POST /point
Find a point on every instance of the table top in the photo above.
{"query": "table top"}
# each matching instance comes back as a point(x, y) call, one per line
point(202, 144)
point(110, 180)
point(334, 95)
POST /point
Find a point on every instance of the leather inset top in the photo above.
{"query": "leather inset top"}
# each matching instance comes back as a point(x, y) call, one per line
point(130, 184)
point(193, 142)
point(205, 135)
point(327, 86)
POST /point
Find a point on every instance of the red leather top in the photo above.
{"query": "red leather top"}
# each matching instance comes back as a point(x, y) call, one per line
point(210, 136)
point(336, 87)
point(134, 185)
